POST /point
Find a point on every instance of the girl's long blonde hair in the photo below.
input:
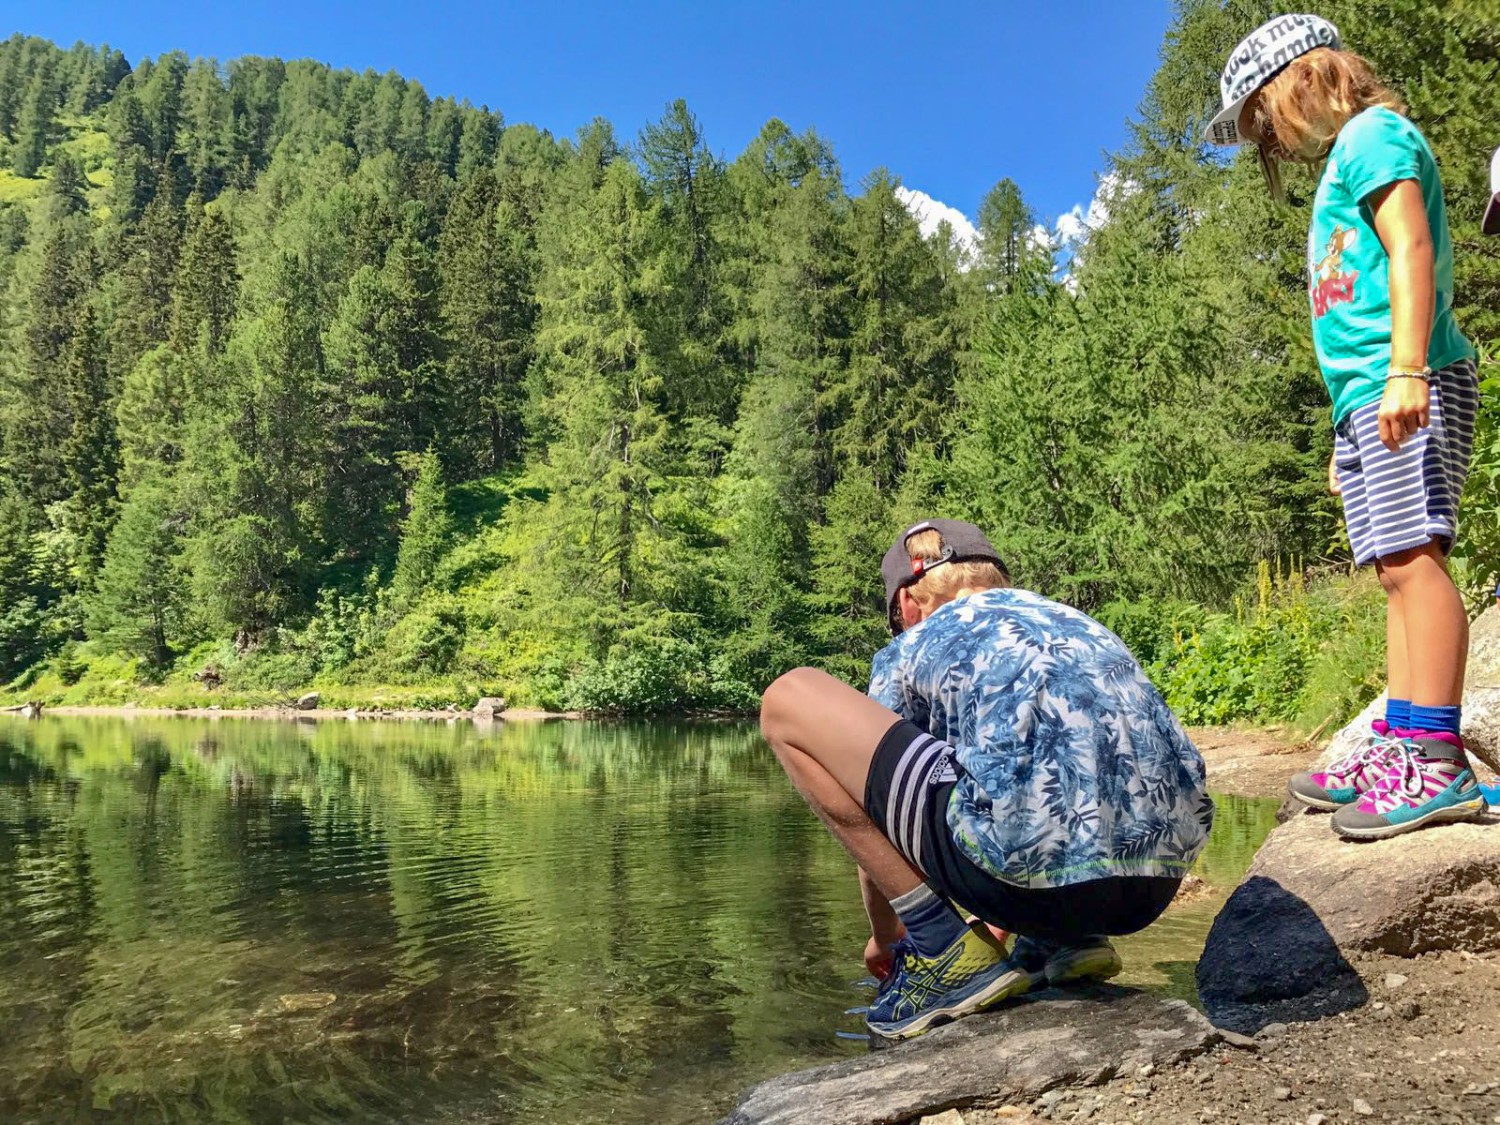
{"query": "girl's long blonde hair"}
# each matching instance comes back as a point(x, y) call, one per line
point(1297, 114)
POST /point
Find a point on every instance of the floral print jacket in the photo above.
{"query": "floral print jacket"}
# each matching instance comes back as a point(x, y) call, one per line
point(1071, 766)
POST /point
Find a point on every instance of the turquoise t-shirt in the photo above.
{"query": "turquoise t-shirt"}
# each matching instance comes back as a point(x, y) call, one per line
point(1349, 270)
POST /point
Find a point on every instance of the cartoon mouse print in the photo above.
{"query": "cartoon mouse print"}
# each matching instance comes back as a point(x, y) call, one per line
point(1330, 284)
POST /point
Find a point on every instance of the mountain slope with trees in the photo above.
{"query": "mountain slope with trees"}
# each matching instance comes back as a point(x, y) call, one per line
point(311, 378)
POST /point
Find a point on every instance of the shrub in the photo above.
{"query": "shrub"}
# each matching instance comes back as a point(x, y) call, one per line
point(1309, 656)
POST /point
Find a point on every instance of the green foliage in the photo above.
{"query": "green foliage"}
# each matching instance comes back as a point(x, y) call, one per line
point(318, 379)
point(1310, 656)
point(424, 534)
point(666, 676)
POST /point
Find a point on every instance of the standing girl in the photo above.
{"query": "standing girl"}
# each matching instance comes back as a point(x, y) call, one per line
point(1402, 377)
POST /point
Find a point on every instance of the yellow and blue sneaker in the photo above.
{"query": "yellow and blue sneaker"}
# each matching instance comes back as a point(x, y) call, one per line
point(1091, 959)
point(921, 992)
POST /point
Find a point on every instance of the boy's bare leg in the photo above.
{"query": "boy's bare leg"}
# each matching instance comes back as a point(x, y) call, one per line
point(825, 733)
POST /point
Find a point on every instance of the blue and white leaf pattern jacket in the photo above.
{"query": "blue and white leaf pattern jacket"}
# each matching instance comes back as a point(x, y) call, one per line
point(1072, 767)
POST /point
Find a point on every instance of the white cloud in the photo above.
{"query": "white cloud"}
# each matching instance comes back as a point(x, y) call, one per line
point(1075, 224)
point(930, 212)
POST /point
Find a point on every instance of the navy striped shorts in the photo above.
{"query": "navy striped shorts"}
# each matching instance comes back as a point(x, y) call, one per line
point(1397, 501)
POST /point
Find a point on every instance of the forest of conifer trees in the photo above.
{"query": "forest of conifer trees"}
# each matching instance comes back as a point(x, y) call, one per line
point(310, 378)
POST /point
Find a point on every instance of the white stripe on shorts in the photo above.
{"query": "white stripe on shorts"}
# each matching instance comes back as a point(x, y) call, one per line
point(912, 782)
point(1396, 501)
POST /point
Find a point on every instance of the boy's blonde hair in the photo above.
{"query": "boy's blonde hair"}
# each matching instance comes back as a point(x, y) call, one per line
point(942, 583)
point(1298, 113)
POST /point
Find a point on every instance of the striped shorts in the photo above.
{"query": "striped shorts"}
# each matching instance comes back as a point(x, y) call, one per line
point(1397, 501)
point(907, 791)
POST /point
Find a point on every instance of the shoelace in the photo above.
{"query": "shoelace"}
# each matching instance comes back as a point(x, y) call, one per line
point(903, 949)
point(1373, 750)
point(1403, 773)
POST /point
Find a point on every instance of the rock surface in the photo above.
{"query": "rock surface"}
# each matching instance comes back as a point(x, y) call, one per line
point(490, 707)
point(308, 702)
point(1481, 700)
point(1049, 1040)
point(1277, 949)
point(1482, 689)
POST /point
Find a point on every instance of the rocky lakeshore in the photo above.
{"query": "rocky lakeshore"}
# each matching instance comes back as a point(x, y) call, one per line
point(1340, 983)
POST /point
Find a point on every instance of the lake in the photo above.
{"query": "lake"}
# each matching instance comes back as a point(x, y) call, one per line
point(239, 920)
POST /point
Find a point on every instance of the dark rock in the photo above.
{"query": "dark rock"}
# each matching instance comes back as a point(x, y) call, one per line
point(1269, 959)
point(1235, 1039)
point(1014, 1054)
point(308, 702)
point(1279, 949)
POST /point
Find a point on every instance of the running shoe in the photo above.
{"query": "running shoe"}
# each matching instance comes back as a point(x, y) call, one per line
point(1347, 779)
point(1416, 790)
point(1092, 959)
point(921, 992)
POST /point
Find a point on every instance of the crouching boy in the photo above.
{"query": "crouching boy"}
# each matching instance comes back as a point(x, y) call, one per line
point(1010, 758)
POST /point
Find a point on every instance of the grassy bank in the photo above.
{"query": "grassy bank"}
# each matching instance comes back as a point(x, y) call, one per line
point(1305, 654)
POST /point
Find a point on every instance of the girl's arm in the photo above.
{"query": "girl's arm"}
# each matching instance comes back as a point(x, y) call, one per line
point(1401, 223)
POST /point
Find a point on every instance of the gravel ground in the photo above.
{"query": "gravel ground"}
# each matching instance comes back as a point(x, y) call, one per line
point(1425, 1050)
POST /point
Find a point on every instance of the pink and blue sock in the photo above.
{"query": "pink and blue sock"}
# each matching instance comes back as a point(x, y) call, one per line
point(1434, 720)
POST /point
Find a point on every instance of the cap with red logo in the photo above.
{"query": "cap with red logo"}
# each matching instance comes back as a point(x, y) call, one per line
point(962, 542)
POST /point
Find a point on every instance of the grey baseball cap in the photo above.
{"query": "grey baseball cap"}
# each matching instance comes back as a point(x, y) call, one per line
point(1260, 57)
point(1490, 224)
point(962, 542)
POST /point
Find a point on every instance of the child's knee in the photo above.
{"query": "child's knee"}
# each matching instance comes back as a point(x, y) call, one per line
point(1402, 567)
point(781, 701)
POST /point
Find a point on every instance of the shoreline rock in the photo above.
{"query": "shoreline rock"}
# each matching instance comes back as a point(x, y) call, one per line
point(1277, 950)
point(1044, 1041)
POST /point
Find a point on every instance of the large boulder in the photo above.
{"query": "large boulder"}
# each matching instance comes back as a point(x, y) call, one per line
point(1481, 700)
point(1482, 689)
point(1277, 949)
point(489, 708)
point(1015, 1053)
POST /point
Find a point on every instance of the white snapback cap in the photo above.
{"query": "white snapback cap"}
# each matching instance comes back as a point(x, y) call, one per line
point(1260, 57)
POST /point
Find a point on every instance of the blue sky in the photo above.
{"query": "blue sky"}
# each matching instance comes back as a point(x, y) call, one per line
point(949, 96)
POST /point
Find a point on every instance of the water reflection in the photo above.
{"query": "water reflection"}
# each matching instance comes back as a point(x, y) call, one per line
point(250, 921)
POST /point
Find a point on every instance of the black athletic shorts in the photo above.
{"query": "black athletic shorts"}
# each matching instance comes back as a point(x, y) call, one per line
point(911, 778)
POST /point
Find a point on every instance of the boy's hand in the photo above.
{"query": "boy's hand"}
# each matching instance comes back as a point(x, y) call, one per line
point(1403, 410)
point(1334, 488)
point(879, 958)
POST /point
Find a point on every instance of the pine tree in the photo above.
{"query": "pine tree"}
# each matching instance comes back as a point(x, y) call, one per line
point(34, 124)
point(904, 348)
point(137, 604)
point(206, 291)
point(1006, 224)
point(35, 412)
point(146, 277)
point(425, 530)
point(605, 468)
point(686, 178)
point(90, 456)
point(488, 264)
